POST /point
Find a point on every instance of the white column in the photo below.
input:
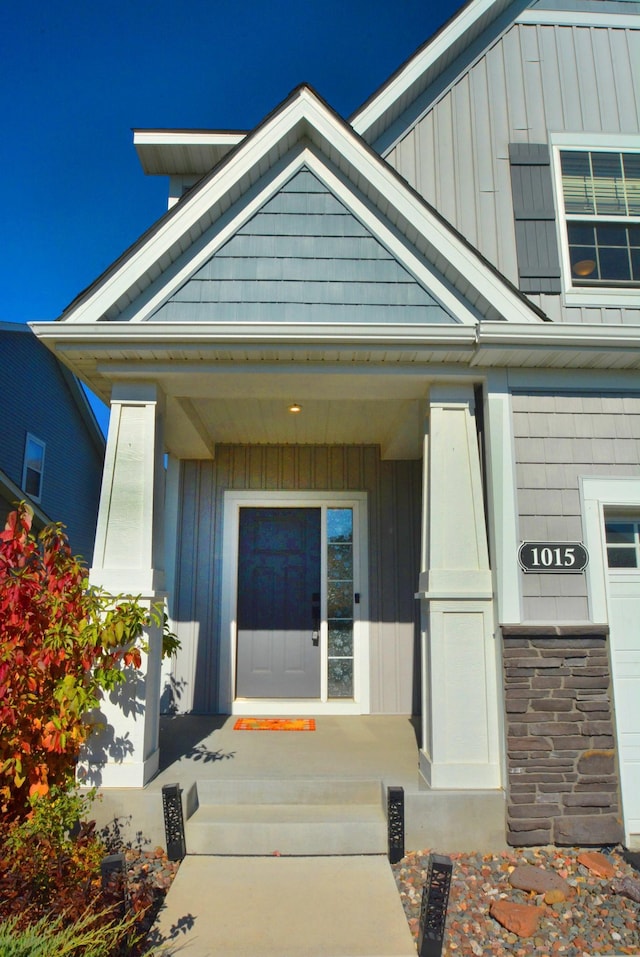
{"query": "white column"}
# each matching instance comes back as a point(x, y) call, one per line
point(128, 560)
point(461, 728)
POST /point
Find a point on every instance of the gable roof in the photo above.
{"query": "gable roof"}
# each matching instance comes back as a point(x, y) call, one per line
point(413, 77)
point(303, 130)
point(387, 114)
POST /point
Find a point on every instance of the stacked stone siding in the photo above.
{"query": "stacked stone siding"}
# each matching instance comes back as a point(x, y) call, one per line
point(563, 785)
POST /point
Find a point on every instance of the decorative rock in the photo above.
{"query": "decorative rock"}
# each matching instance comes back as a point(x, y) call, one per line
point(556, 896)
point(628, 888)
point(597, 863)
point(584, 830)
point(520, 919)
point(529, 878)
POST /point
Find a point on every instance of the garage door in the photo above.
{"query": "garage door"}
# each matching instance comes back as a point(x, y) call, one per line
point(623, 560)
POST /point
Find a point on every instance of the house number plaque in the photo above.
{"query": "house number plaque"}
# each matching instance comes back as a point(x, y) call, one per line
point(556, 557)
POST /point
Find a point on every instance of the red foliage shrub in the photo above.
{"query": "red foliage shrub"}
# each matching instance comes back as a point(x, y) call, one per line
point(62, 643)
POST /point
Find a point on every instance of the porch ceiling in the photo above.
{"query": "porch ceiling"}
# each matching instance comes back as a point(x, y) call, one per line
point(207, 409)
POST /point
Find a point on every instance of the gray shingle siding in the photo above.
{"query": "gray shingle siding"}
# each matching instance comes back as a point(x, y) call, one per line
point(35, 397)
point(558, 439)
point(303, 248)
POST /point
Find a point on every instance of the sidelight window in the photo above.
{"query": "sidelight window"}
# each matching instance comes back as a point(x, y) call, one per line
point(340, 599)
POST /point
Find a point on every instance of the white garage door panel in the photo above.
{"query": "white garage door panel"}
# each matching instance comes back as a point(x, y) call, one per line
point(624, 592)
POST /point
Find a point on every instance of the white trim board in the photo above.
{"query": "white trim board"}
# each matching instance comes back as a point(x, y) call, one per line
point(598, 494)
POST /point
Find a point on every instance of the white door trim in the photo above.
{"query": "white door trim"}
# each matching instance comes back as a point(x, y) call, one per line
point(360, 704)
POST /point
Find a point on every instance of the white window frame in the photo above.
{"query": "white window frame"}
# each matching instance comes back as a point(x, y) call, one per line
point(621, 518)
point(600, 294)
point(42, 445)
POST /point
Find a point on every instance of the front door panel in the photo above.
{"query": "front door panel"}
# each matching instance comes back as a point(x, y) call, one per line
point(278, 647)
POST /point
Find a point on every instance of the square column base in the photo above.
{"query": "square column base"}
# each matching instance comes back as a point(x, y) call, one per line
point(114, 774)
point(458, 776)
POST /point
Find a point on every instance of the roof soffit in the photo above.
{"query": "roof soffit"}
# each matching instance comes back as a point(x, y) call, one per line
point(303, 129)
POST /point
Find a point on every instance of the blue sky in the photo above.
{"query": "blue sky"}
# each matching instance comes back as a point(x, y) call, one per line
point(77, 75)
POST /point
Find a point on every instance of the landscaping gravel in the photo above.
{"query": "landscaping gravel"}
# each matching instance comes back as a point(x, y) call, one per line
point(591, 919)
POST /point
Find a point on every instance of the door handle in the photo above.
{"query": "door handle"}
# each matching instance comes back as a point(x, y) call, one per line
point(315, 618)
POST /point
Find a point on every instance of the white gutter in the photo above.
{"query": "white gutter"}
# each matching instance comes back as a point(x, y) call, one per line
point(506, 334)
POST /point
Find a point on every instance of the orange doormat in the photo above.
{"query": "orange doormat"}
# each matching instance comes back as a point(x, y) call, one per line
point(275, 724)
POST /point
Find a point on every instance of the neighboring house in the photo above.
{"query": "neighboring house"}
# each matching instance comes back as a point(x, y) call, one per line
point(51, 448)
point(447, 288)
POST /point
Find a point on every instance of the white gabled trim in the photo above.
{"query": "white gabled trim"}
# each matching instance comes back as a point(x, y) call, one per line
point(303, 119)
point(180, 272)
point(420, 62)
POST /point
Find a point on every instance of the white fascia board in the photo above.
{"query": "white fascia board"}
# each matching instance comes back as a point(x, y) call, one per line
point(549, 336)
point(574, 335)
point(159, 334)
point(578, 18)
point(186, 137)
point(371, 112)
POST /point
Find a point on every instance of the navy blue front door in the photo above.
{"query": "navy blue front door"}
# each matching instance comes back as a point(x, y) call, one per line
point(278, 650)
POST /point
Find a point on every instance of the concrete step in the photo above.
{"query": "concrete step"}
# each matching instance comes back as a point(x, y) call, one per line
point(290, 791)
point(297, 818)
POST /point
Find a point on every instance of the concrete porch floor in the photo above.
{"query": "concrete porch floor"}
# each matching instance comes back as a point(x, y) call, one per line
point(198, 748)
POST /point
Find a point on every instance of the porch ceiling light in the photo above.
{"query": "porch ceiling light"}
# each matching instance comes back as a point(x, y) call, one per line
point(294, 407)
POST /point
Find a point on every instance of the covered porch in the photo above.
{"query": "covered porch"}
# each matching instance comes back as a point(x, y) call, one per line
point(199, 751)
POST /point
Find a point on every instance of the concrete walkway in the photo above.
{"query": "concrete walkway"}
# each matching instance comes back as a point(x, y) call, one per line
point(284, 907)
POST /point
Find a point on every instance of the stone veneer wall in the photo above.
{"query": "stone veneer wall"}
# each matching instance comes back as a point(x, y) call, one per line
point(563, 785)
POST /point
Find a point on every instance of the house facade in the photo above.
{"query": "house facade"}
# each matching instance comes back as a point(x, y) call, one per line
point(375, 415)
point(51, 447)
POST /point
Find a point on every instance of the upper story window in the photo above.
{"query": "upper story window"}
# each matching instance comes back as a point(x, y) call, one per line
point(33, 467)
point(623, 542)
point(601, 191)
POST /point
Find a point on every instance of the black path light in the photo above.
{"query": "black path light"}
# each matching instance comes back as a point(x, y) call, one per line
point(433, 910)
point(174, 822)
point(395, 823)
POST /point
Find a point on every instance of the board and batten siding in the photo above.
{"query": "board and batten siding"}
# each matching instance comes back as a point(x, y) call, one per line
point(558, 439)
point(303, 253)
point(394, 509)
point(534, 79)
